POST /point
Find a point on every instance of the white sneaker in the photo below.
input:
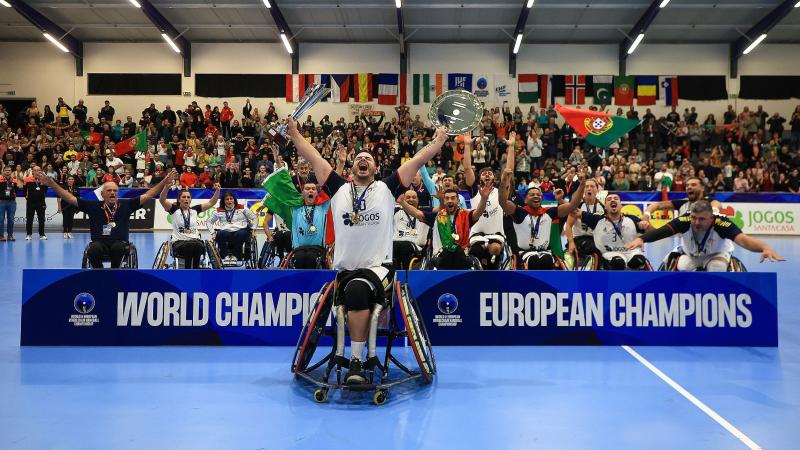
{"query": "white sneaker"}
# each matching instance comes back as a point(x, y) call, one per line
point(28, 237)
point(70, 235)
point(42, 238)
point(66, 235)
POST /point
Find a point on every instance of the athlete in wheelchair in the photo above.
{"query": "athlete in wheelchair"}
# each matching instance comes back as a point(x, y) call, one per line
point(109, 221)
point(410, 234)
point(580, 238)
point(707, 241)
point(535, 226)
point(187, 248)
point(451, 227)
point(233, 229)
point(612, 232)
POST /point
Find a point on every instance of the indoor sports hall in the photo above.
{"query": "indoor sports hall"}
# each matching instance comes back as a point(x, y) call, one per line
point(268, 224)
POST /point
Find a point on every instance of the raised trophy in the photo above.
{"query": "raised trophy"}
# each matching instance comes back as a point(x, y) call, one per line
point(457, 111)
point(313, 95)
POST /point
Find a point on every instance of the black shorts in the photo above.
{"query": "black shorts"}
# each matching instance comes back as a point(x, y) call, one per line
point(380, 278)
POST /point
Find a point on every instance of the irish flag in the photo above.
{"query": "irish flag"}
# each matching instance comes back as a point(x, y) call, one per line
point(136, 143)
point(528, 87)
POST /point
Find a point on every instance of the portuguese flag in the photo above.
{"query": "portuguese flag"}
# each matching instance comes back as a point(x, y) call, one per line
point(92, 137)
point(136, 143)
point(597, 128)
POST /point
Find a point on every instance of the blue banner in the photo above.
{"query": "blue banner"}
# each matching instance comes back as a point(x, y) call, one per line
point(239, 307)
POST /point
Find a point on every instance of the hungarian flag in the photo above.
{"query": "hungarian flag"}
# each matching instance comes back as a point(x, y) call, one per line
point(574, 89)
point(426, 87)
point(387, 88)
point(362, 87)
point(136, 143)
point(340, 88)
point(646, 90)
point(668, 90)
point(623, 90)
point(92, 137)
point(528, 87)
point(602, 89)
point(597, 128)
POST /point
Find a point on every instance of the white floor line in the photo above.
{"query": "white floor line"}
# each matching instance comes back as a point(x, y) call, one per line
point(702, 406)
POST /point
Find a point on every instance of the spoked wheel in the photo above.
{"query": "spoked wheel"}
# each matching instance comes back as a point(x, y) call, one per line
point(416, 332)
point(252, 256)
point(736, 265)
point(213, 255)
point(162, 254)
point(313, 329)
point(266, 256)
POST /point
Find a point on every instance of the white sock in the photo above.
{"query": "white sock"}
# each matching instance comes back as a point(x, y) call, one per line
point(357, 349)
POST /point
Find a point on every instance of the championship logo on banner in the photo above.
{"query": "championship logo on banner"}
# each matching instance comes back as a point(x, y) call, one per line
point(483, 87)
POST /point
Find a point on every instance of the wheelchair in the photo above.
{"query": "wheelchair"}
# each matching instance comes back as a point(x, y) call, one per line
point(129, 261)
point(670, 264)
point(250, 254)
point(323, 261)
point(210, 260)
point(326, 374)
point(429, 261)
point(558, 262)
point(596, 262)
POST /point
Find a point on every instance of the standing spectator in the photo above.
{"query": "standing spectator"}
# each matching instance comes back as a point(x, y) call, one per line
point(247, 109)
point(225, 117)
point(107, 112)
point(62, 110)
point(8, 202)
point(188, 178)
point(34, 194)
point(80, 111)
point(741, 183)
point(68, 210)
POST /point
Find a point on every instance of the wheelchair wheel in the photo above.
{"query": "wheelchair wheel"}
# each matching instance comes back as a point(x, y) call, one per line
point(85, 259)
point(313, 329)
point(416, 332)
point(213, 255)
point(591, 262)
point(736, 265)
point(267, 255)
point(670, 263)
point(252, 254)
point(475, 263)
point(131, 258)
point(160, 261)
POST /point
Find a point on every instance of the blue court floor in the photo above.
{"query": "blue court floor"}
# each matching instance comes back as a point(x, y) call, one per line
point(488, 397)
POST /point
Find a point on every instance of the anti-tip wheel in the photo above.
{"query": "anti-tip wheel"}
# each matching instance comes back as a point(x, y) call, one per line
point(380, 397)
point(321, 395)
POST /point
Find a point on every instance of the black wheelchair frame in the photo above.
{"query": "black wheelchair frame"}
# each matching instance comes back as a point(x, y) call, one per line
point(670, 264)
point(129, 261)
point(210, 259)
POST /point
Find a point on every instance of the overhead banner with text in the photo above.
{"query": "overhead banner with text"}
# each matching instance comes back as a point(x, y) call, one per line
point(238, 307)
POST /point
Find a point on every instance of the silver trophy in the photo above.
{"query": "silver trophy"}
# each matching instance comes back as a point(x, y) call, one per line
point(457, 111)
point(314, 94)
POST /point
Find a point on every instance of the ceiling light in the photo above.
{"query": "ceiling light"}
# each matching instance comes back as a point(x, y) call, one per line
point(266, 3)
point(135, 3)
point(636, 43)
point(397, 3)
point(286, 43)
point(5, 3)
point(663, 3)
point(170, 42)
point(797, 5)
point(530, 4)
point(753, 44)
point(517, 43)
point(56, 43)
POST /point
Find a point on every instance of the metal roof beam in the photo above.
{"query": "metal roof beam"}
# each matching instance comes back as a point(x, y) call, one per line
point(47, 26)
point(763, 26)
point(166, 28)
point(283, 28)
point(639, 28)
point(519, 32)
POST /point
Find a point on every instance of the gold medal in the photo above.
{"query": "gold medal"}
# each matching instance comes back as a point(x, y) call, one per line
point(455, 236)
point(312, 229)
point(354, 218)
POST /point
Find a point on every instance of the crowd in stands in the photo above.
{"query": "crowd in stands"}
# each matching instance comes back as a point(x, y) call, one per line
point(741, 151)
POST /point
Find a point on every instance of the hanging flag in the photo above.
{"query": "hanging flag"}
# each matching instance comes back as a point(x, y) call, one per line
point(483, 87)
point(295, 87)
point(505, 89)
point(597, 128)
point(362, 87)
point(646, 90)
point(623, 90)
point(325, 80)
point(574, 89)
point(528, 84)
point(426, 87)
point(459, 81)
point(136, 143)
point(668, 90)
point(92, 137)
point(387, 88)
point(603, 87)
point(544, 89)
point(403, 89)
point(340, 88)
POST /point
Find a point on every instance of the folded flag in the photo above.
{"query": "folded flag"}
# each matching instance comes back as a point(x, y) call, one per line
point(597, 128)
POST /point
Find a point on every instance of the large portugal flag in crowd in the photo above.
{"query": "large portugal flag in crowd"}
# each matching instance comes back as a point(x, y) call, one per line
point(598, 128)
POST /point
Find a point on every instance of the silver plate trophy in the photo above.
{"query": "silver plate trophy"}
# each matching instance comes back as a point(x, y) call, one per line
point(314, 94)
point(457, 111)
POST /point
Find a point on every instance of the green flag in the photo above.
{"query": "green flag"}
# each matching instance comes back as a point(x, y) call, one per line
point(281, 196)
point(603, 89)
point(597, 128)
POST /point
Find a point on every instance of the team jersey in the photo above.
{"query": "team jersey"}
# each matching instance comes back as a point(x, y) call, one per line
point(533, 227)
point(408, 228)
point(491, 221)
point(684, 206)
point(579, 228)
point(717, 239)
point(184, 223)
point(363, 221)
point(460, 223)
point(308, 225)
point(612, 236)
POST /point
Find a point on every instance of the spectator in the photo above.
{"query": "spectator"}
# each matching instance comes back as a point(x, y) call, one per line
point(188, 178)
point(34, 194)
point(8, 203)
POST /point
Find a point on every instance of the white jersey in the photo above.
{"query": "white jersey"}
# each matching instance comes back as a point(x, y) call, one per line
point(407, 228)
point(491, 221)
point(612, 236)
point(579, 228)
point(184, 223)
point(363, 227)
point(533, 231)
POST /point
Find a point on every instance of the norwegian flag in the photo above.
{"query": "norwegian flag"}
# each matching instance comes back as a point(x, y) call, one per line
point(575, 89)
